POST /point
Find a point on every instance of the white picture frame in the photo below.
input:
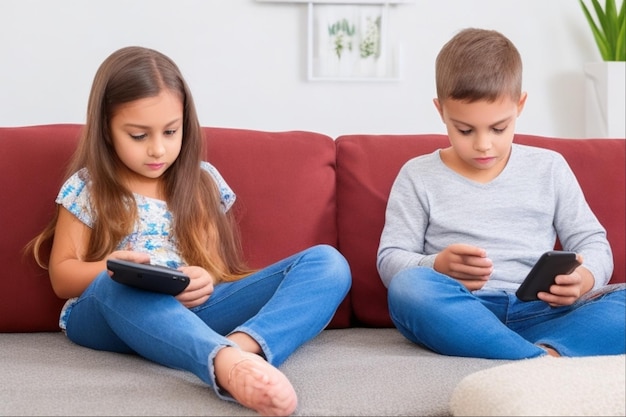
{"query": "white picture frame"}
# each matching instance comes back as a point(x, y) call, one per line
point(350, 42)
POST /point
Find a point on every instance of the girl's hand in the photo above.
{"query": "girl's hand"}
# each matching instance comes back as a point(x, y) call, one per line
point(199, 289)
point(130, 256)
point(467, 264)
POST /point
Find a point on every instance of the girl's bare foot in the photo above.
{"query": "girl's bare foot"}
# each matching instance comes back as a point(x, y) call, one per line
point(256, 384)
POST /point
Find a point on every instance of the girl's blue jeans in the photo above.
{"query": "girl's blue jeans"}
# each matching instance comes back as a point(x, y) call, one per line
point(281, 307)
point(437, 312)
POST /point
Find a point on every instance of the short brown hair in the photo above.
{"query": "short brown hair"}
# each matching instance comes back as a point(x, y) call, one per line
point(478, 64)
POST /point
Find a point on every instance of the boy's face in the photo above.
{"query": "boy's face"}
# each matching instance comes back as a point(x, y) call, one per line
point(481, 134)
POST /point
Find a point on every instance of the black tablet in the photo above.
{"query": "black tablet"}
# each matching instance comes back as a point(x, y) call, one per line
point(148, 277)
point(542, 275)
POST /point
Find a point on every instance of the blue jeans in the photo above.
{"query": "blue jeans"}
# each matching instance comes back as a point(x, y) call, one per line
point(281, 307)
point(437, 312)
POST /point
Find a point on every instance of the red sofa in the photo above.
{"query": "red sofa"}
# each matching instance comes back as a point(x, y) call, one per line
point(295, 189)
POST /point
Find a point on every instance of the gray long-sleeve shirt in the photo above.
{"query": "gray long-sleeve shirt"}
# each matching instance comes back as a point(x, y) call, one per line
point(515, 217)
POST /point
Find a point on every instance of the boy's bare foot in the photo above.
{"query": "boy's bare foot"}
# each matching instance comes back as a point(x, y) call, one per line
point(550, 351)
point(258, 385)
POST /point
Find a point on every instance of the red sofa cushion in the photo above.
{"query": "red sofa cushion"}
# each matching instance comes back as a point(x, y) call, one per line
point(285, 186)
point(366, 167)
point(285, 183)
point(600, 167)
point(33, 162)
point(368, 164)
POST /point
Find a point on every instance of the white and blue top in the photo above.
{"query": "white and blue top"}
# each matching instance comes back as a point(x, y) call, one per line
point(152, 233)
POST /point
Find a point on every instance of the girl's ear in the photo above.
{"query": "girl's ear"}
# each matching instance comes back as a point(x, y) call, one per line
point(521, 103)
point(437, 104)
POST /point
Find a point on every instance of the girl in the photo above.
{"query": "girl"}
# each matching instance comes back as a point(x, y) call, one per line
point(137, 190)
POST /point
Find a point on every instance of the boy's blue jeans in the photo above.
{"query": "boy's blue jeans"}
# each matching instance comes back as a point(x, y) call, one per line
point(281, 307)
point(437, 312)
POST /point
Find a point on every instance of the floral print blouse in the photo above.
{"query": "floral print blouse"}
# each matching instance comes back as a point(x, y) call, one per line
point(152, 232)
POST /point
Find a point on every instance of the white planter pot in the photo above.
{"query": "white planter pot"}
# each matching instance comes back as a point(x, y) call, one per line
point(605, 99)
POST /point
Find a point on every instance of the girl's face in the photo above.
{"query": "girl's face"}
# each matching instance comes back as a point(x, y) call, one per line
point(147, 137)
point(481, 134)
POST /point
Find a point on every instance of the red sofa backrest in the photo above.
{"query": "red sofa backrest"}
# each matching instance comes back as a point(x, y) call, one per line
point(295, 189)
point(368, 164)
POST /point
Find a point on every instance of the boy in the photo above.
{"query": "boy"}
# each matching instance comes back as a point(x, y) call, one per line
point(465, 224)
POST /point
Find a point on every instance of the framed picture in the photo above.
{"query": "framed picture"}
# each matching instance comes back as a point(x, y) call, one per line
point(350, 42)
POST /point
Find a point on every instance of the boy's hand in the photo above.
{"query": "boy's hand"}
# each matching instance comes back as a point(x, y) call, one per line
point(199, 289)
point(467, 264)
point(568, 288)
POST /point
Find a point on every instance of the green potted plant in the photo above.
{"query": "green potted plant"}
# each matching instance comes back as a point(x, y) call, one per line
point(609, 31)
point(605, 85)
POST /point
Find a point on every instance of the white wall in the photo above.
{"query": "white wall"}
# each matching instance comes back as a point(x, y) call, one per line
point(246, 61)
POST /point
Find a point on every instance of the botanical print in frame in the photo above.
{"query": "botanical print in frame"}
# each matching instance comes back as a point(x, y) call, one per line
point(349, 42)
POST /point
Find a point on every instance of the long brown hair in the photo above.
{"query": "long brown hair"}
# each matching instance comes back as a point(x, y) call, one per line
point(205, 235)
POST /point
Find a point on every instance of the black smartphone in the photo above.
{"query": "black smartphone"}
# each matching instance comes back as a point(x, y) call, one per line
point(541, 276)
point(148, 277)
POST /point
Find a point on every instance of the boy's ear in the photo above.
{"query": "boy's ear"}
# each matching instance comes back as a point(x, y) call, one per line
point(437, 104)
point(521, 102)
